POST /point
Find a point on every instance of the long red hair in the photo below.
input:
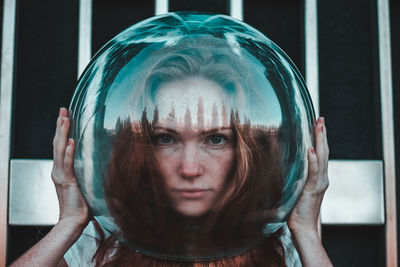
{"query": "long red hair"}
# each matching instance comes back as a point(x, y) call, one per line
point(134, 189)
point(137, 200)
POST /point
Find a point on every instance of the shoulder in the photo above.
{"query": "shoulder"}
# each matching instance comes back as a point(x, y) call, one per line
point(82, 251)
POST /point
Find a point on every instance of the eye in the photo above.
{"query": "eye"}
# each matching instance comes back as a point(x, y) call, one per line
point(216, 140)
point(165, 139)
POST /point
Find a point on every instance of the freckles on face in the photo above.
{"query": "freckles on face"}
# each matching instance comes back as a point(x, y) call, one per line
point(194, 170)
point(195, 146)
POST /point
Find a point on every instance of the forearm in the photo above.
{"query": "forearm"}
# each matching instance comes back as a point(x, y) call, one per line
point(50, 250)
point(310, 249)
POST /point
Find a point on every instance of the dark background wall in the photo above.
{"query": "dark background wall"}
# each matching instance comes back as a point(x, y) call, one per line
point(45, 77)
point(46, 71)
point(349, 98)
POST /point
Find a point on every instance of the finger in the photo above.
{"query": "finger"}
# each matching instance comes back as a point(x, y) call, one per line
point(55, 140)
point(312, 178)
point(324, 166)
point(61, 138)
point(69, 158)
point(326, 148)
point(319, 143)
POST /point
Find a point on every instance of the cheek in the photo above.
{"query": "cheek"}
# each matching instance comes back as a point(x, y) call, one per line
point(167, 163)
point(221, 166)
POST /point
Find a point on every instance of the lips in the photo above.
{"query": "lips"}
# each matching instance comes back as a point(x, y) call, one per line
point(192, 193)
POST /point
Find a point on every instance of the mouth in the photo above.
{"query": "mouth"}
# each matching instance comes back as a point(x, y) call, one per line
point(192, 193)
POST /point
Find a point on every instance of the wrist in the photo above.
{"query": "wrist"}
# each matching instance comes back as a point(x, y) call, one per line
point(79, 218)
point(71, 227)
point(309, 246)
point(305, 233)
point(309, 227)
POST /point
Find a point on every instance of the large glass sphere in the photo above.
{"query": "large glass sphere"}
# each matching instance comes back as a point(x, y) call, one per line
point(191, 135)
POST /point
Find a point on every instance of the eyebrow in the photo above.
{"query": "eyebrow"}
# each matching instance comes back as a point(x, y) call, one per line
point(213, 130)
point(206, 131)
point(166, 129)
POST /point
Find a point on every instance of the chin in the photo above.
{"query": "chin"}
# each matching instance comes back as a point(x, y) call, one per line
point(192, 211)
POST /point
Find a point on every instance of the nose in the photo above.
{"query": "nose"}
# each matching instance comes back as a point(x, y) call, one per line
point(190, 166)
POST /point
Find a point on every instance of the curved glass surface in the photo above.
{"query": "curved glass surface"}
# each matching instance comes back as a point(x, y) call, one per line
point(191, 135)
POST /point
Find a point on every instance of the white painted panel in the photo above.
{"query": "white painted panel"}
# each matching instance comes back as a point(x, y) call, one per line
point(33, 199)
point(355, 194)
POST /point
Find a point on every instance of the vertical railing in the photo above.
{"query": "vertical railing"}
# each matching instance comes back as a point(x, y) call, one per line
point(236, 9)
point(161, 7)
point(6, 87)
point(85, 34)
point(311, 56)
point(386, 89)
point(311, 51)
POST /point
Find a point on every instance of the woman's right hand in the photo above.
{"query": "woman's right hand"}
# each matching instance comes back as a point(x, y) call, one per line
point(73, 208)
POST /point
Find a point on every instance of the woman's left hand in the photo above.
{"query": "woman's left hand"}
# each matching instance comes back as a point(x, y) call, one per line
point(304, 217)
point(303, 222)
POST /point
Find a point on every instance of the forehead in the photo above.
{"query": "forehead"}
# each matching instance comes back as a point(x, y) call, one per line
point(196, 97)
point(188, 91)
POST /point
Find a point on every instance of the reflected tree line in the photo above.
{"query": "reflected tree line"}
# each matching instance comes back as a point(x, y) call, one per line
point(215, 120)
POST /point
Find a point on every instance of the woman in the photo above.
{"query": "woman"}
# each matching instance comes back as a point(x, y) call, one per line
point(174, 171)
point(201, 186)
point(74, 214)
point(208, 159)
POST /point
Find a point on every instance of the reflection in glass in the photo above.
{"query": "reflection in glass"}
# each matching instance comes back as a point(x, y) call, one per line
point(191, 134)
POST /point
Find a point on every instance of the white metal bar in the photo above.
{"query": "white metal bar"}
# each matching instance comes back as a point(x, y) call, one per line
point(311, 57)
point(311, 51)
point(161, 7)
point(386, 89)
point(85, 35)
point(236, 9)
point(6, 87)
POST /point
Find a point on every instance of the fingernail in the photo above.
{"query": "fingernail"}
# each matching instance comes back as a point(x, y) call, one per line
point(62, 109)
point(69, 141)
point(322, 120)
point(312, 150)
point(59, 111)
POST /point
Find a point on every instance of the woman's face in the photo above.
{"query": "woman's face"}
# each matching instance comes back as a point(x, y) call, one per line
point(194, 143)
